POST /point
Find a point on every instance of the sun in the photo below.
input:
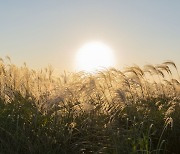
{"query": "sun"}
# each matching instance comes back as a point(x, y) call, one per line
point(93, 56)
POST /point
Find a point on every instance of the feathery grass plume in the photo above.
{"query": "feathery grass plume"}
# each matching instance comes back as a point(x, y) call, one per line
point(171, 63)
point(168, 121)
point(144, 81)
point(159, 73)
point(150, 68)
point(138, 70)
point(136, 80)
point(164, 68)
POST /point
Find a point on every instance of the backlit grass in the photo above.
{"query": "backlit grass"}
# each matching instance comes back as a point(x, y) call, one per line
point(136, 110)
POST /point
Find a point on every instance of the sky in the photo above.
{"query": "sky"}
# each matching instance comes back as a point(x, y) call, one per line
point(50, 32)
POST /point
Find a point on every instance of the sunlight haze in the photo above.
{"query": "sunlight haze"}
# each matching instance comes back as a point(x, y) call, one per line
point(93, 56)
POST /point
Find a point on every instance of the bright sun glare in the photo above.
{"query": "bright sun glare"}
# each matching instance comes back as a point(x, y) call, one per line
point(93, 56)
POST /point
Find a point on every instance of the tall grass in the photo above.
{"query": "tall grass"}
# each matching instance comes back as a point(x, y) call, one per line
point(136, 110)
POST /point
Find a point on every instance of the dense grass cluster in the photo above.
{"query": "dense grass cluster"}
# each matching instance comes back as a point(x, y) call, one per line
point(111, 111)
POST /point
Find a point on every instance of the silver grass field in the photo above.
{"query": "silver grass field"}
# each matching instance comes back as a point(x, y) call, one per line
point(135, 110)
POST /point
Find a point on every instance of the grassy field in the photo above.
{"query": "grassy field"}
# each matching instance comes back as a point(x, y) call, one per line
point(136, 110)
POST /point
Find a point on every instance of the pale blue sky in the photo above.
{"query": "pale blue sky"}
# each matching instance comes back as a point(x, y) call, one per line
point(42, 32)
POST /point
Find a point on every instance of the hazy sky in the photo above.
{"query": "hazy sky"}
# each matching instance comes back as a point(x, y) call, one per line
point(42, 32)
